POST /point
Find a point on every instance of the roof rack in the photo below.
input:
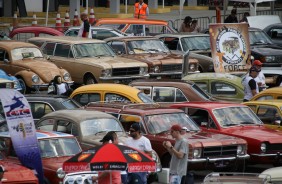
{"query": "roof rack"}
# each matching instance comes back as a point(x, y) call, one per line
point(123, 105)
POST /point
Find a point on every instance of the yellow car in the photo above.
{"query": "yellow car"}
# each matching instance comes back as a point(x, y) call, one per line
point(268, 94)
point(109, 92)
point(269, 112)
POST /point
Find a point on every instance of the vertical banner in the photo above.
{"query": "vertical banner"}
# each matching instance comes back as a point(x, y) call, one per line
point(230, 47)
point(22, 130)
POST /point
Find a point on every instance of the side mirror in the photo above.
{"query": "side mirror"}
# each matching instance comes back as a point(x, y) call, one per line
point(6, 61)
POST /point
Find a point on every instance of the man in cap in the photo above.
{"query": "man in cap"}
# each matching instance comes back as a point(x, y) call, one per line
point(260, 79)
point(179, 155)
point(250, 85)
point(85, 28)
point(140, 142)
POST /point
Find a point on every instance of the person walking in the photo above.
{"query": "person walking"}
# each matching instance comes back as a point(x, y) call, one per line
point(179, 155)
point(260, 79)
point(250, 85)
point(106, 177)
point(186, 25)
point(141, 10)
point(140, 142)
point(85, 27)
point(232, 18)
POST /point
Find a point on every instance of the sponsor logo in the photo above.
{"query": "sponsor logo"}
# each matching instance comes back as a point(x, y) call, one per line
point(18, 108)
point(83, 156)
point(135, 156)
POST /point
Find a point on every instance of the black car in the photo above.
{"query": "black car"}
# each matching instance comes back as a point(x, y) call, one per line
point(275, 32)
point(42, 104)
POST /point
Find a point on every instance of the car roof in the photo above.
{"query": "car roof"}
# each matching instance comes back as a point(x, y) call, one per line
point(130, 21)
point(275, 102)
point(272, 90)
point(129, 38)
point(93, 27)
point(66, 39)
point(11, 44)
point(209, 105)
point(166, 82)
point(41, 29)
point(206, 76)
point(183, 35)
point(254, 29)
point(78, 115)
point(40, 134)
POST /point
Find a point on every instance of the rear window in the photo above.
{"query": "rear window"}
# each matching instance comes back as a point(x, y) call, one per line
point(69, 104)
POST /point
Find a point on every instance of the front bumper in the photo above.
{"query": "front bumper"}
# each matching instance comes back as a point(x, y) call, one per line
point(268, 158)
point(212, 160)
point(124, 77)
point(39, 87)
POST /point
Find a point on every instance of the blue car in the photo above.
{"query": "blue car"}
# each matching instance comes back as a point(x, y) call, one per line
point(4, 75)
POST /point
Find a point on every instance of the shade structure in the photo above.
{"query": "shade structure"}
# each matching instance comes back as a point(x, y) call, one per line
point(110, 157)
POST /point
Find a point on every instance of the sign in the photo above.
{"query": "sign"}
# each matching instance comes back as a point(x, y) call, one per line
point(230, 47)
point(22, 130)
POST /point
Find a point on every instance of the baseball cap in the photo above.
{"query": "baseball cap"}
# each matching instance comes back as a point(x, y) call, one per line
point(135, 127)
point(176, 127)
point(257, 62)
point(254, 69)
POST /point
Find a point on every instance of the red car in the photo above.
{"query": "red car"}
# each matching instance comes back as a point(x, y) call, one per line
point(264, 145)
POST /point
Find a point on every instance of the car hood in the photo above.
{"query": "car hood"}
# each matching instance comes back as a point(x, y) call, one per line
point(158, 58)
point(112, 62)
point(267, 50)
point(44, 69)
point(255, 133)
point(54, 163)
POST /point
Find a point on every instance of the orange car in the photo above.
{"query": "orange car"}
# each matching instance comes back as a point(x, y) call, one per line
point(137, 27)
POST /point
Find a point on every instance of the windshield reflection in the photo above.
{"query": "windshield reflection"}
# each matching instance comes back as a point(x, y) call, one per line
point(259, 37)
point(93, 50)
point(162, 122)
point(147, 46)
point(196, 43)
point(27, 52)
point(236, 116)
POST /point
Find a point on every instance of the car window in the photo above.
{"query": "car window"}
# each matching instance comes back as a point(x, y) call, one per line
point(118, 46)
point(164, 94)
point(146, 90)
point(172, 43)
point(84, 99)
point(136, 30)
point(266, 97)
point(47, 125)
point(152, 30)
point(39, 109)
point(253, 107)
point(268, 114)
point(62, 50)
point(203, 86)
point(115, 97)
point(25, 52)
point(66, 127)
point(144, 98)
point(49, 49)
point(128, 120)
point(180, 97)
point(222, 88)
point(23, 36)
point(102, 34)
point(276, 33)
point(2, 54)
point(72, 32)
point(70, 104)
point(38, 43)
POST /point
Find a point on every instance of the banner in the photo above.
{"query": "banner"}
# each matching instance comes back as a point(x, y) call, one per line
point(22, 130)
point(230, 47)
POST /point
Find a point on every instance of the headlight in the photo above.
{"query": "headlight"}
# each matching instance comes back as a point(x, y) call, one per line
point(16, 84)
point(66, 76)
point(9, 85)
point(270, 59)
point(143, 70)
point(60, 173)
point(35, 79)
point(155, 69)
point(196, 153)
point(192, 67)
point(263, 147)
point(106, 73)
point(240, 150)
point(78, 180)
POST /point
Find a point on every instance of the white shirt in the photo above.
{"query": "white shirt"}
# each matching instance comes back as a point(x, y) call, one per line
point(260, 78)
point(61, 88)
point(247, 89)
point(142, 144)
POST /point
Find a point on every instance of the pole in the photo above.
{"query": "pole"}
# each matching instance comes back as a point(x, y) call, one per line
point(125, 6)
point(163, 3)
point(47, 11)
point(87, 6)
point(224, 8)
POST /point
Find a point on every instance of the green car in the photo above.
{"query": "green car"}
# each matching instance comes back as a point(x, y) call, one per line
point(222, 86)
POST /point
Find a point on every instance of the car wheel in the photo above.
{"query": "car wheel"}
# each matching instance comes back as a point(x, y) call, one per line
point(25, 88)
point(89, 79)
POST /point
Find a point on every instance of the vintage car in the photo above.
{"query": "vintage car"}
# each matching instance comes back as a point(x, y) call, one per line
point(41, 104)
point(24, 33)
point(275, 32)
point(55, 148)
point(171, 91)
point(109, 92)
point(269, 94)
point(198, 44)
point(89, 127)
point(162, 63)
point(16, 173)
point(264, 144)
point(80, 177)
point(137, 27)
point(99, 33)
point(26, 62)
point(221, 86)
point(268, 111)
point(90, 61)
point(16, 83)
point(206, 150)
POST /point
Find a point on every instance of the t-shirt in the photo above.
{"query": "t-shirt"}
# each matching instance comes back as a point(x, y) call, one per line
point(86, 28)
point(142, 144)
point(179, 166)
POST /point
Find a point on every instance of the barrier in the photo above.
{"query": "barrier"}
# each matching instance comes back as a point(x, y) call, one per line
point(58, 22)
point(75, 19)
point(67, 20)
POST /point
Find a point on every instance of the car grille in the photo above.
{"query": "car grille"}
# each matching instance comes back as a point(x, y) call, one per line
point(125, 71)
point(173, 67)
point(219, 151)
point(274, 148)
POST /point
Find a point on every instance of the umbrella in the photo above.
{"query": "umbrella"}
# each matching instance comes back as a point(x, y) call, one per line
point(110, 157)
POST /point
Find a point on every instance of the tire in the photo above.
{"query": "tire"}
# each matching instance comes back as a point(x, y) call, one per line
point(25, 88)
point(89, 79)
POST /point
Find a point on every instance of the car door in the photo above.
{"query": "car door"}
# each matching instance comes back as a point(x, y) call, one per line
point(85, 98)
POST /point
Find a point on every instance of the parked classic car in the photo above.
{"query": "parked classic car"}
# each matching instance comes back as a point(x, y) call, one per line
point(206, 150)
point(161, 62)
point(137, 27)
point(171, 91)
point(15, 173)
point(41, 104)
point(90, 61)
point(269, 112)
point(99, 33)
point(55, 148)
point(109, 92)
point(78, 177)
point(16, 82)
point(269, 94)
point(24, 33)
point(198, 44)
point(26, 62)
point(222, 86)
point(275, 33)
point(264, 144)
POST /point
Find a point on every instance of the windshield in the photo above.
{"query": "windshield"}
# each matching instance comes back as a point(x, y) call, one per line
point(94, 126)
point(93, 50)
point(27, 52)
point(69, 104)
point(201, 92)
point(58, 147)
point(158, 123)
point(147, 46)
point(196, 43)
point(144, 98)
point(236, 116)
point(259, 37)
